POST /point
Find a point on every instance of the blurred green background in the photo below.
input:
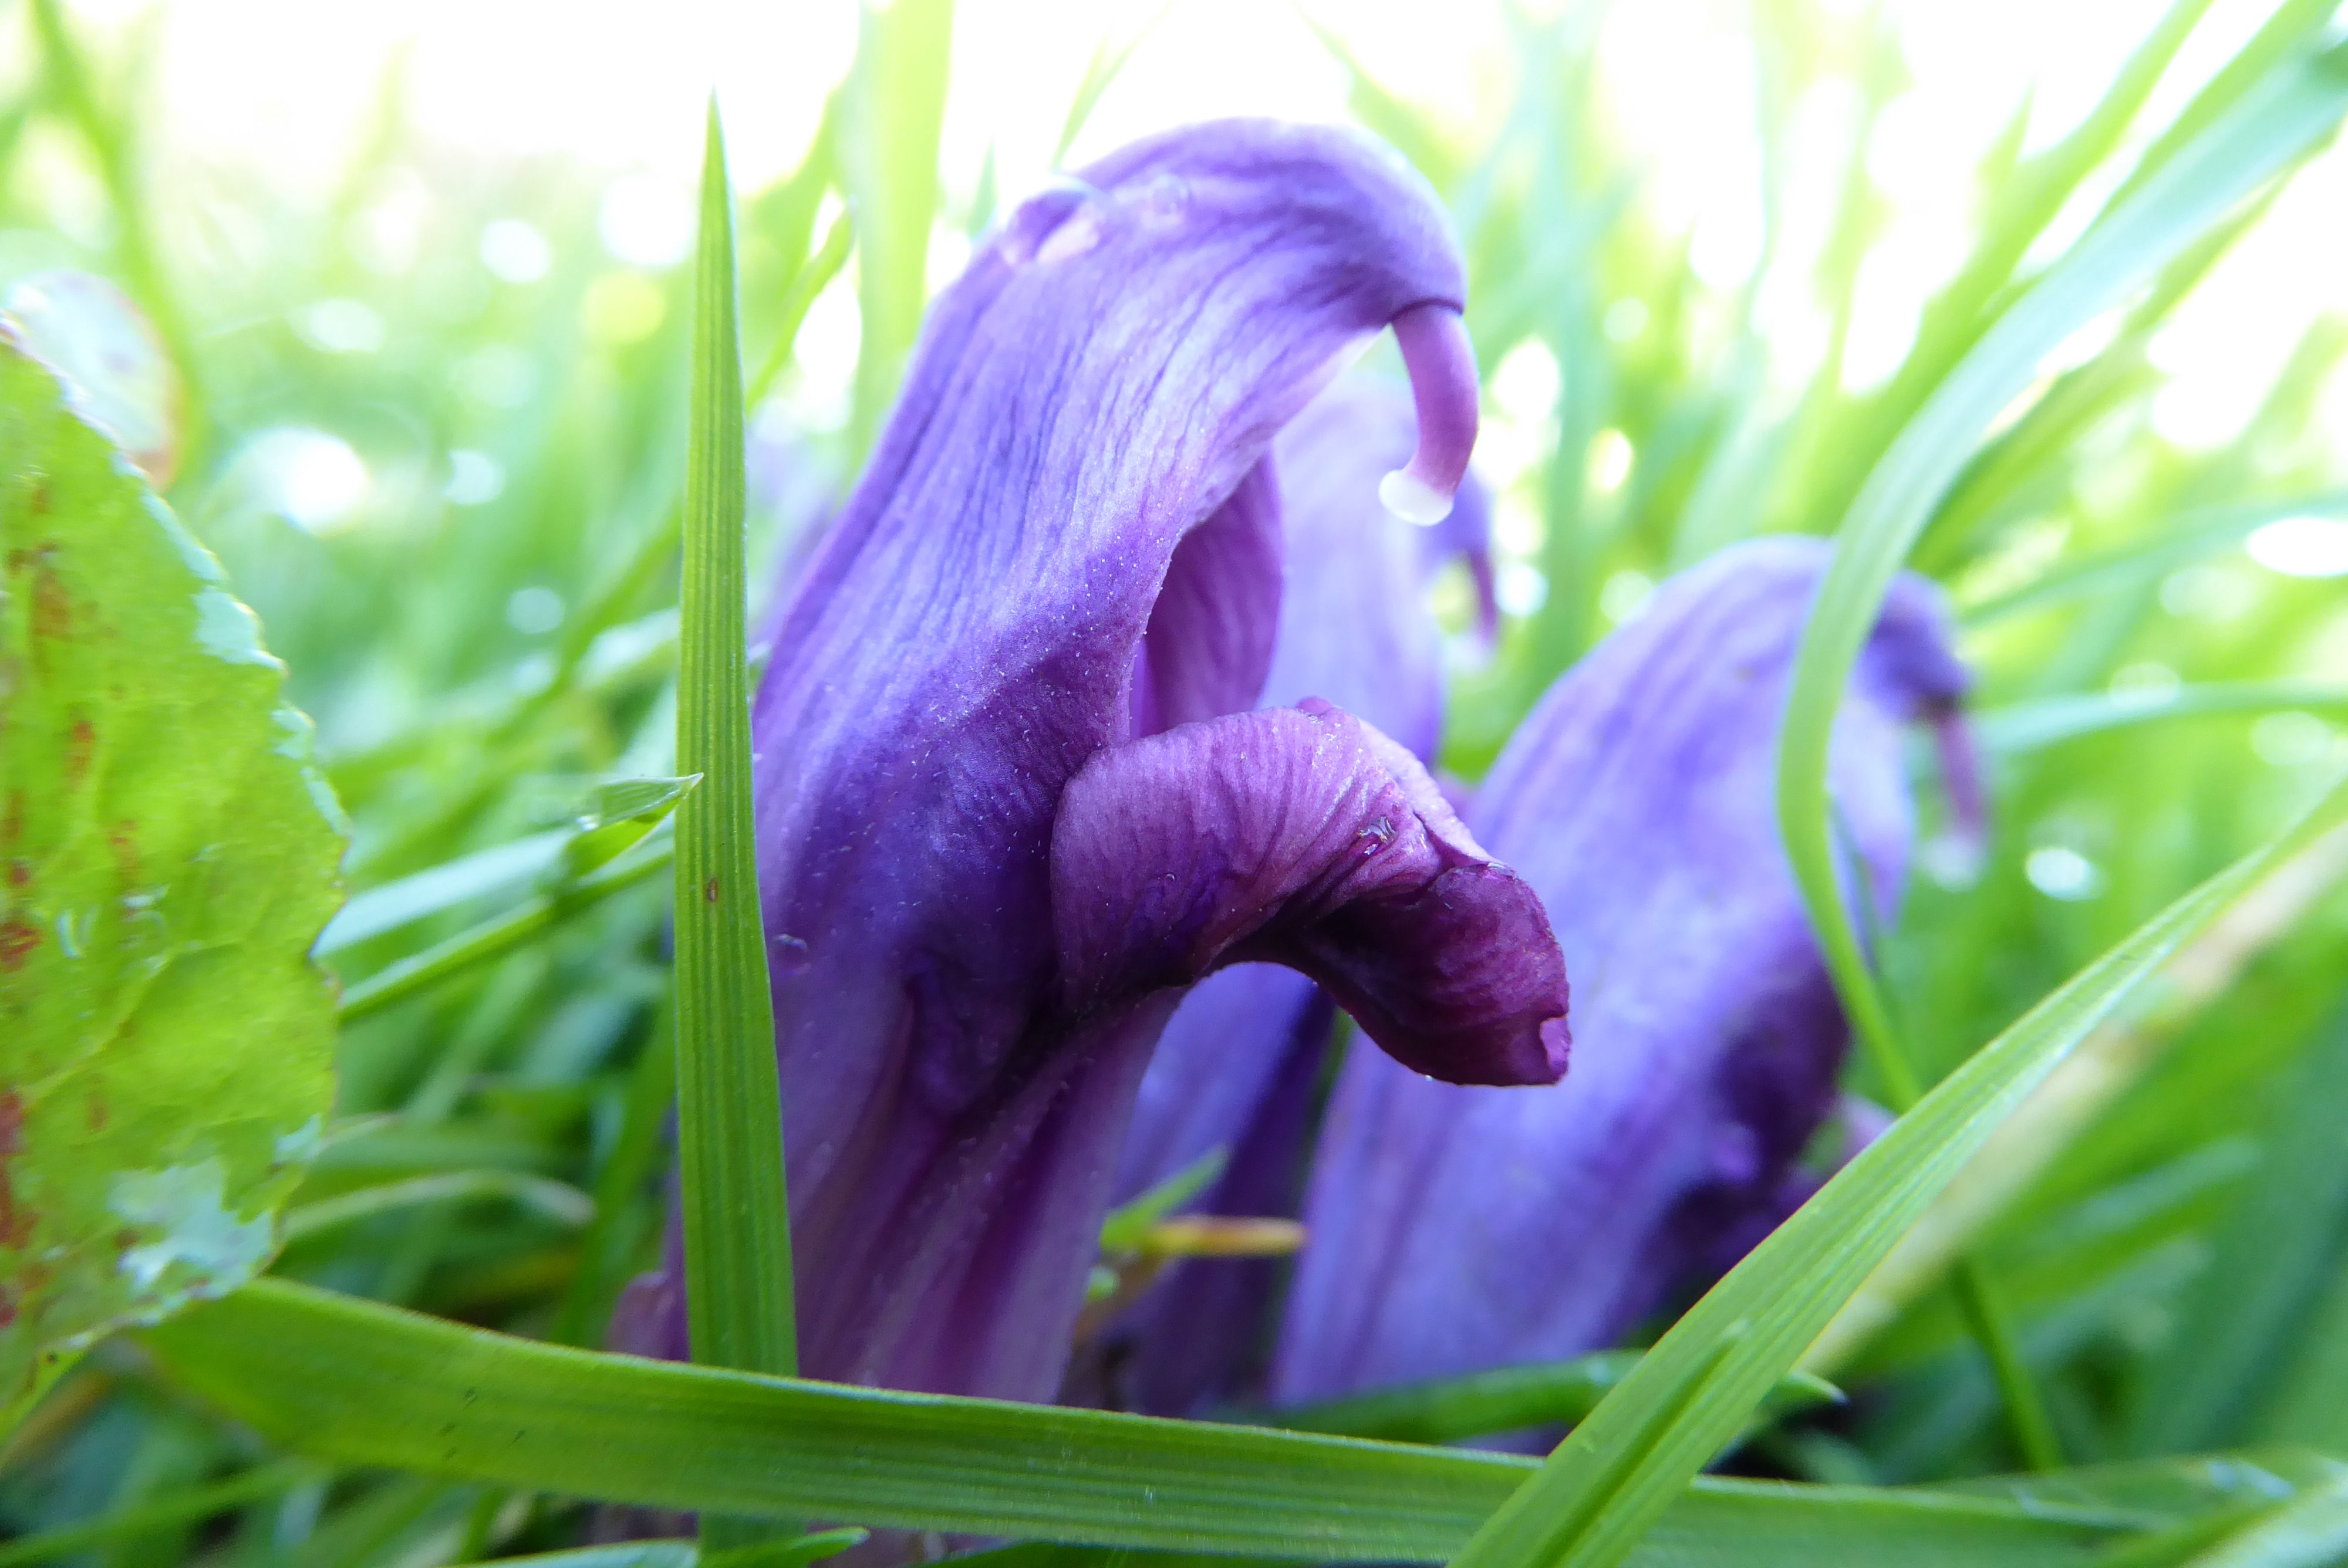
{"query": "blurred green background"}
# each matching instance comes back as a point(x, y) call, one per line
point(418, 266)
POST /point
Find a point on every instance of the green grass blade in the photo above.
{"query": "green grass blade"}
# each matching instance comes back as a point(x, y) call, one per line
point(1602, 1487)
point(364, 1384)
point(503, 934)
point(2189, 539)
point(2271, 1258)
point(1109, 57)
point(2309, 1531)
point(2115, 1056)
point(2293, 23)
point(1507, 1400)
point(565, 1205)
point(897, 108)
point(2302, 103)
point(186, 1505)
point(729, 1110)
point(2050, 722)
point(2024, 202)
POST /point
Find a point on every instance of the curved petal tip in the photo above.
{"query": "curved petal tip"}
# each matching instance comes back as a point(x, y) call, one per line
point(1442, 366)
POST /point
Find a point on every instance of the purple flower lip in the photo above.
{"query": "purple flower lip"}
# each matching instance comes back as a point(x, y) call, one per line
point(1010, 793)
point(1236, 1068)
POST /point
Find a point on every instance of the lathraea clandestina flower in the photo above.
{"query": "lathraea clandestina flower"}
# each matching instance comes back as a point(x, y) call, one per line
point(1011, 797)
point(1236, 1068)
point(1452, 1230)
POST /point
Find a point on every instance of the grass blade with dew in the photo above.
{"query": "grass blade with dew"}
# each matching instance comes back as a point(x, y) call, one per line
point(729, 1136)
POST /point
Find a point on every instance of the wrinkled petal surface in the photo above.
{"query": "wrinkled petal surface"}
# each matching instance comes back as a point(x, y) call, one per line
point(1235, 1068)
point(1451, 1230)
point(1301, 836)
point(1062, 542)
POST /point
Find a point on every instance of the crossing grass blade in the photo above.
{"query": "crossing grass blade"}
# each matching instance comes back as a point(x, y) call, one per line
point(2300, 104)
point(729, 1114)
point(353, 1382)
point(1608, 1483)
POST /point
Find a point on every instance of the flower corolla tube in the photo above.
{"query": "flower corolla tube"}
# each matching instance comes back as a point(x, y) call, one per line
point(1013, 794)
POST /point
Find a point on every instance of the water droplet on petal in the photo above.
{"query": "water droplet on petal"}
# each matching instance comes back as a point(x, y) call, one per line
point(1413, 499)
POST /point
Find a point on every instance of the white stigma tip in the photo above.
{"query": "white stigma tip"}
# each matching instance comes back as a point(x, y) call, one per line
point(1413, 499)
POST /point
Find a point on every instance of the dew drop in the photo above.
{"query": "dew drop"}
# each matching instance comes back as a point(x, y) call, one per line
point(1413, 499)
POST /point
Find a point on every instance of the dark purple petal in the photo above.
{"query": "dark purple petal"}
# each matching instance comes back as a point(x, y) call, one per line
point(1212, 630)
point(1301, 837)
point(1236, 1065)
point(1062, 542)
point(1451, 1230)
point(1355, 627)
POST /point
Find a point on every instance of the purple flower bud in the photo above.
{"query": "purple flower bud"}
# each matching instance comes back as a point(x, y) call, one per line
point(1453, 1230)
point(1011, 802)
point(1236, 1066)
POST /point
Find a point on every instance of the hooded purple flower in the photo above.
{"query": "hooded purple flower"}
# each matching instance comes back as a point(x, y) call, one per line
point(1235, 1068)
point(1454, 1230)
point(1011, 801)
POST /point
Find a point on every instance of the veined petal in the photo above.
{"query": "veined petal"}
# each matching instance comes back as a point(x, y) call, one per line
point(1301, 836)
point(1355, 625)
point(1211, 633)
point(1236, 1066)
point(1062, 542)
point(1451, 1230)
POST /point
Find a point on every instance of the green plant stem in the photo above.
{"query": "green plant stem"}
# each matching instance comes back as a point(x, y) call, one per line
point(2025, 1408)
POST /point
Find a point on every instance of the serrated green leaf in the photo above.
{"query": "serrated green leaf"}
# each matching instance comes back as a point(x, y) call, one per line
point(168, 855)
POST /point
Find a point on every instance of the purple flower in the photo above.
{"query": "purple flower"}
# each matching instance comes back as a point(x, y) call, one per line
point(1453, 1230)
point(1236, 1066)
point(1011, 801)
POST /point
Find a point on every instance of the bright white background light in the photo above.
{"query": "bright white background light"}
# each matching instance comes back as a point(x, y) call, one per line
point(622, 88)
point(2303, 547)
point(313, 478)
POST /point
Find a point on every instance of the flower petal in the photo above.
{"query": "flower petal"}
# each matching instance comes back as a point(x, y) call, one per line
point(1237, 1065)
point(1451, 1230)
point(1301, 836)
point(1211, 632)
point(1072, 454)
